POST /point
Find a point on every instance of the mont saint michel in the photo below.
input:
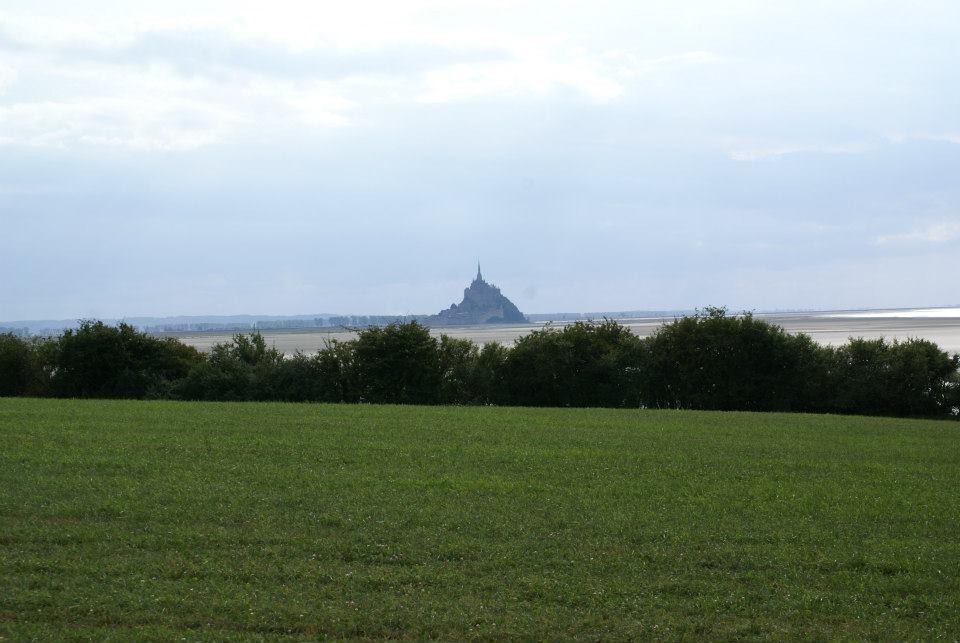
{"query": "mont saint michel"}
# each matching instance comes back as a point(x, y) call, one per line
point(482, 303)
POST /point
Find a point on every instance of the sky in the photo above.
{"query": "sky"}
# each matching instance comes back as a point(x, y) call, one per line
point(204, 158)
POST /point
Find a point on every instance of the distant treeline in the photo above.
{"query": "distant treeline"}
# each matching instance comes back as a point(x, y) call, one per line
point(339, 321)
point(225, 325)
point(708, 360)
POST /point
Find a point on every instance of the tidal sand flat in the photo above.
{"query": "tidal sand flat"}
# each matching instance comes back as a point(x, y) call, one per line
point(939, 325)
point(246, 521)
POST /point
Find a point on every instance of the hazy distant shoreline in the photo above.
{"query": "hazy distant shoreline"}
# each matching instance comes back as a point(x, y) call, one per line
point(833, 328)
point(323, 322)
point(940, 325)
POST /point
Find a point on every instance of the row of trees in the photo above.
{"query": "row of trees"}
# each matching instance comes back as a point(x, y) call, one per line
point(706, 361)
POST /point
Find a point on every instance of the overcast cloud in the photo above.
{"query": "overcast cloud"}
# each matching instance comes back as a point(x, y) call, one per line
point(222, 157)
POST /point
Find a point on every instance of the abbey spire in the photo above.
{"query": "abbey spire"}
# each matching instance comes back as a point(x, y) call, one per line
point(482, 303)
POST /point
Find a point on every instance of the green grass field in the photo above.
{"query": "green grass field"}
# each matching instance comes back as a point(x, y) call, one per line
point(166, 520)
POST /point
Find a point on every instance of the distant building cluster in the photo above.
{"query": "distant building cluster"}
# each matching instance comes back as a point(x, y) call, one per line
point(482, 303)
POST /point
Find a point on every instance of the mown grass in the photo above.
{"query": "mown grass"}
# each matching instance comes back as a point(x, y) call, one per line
point(166, 520)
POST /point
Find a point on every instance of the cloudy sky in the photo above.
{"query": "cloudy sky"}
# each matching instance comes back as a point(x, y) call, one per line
point(288, 157)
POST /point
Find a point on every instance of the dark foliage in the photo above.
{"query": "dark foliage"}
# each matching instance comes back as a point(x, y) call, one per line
point(706, 361)
point(398, 364)
point(873, 377)
point(583, 364)
point(21, 366)
point(103, 361)
point(241, 369)
point(713, 361)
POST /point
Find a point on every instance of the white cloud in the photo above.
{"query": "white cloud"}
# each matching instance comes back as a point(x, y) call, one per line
point(639, 66)
point(516, 78)
point(135, 83)
point(943, 137)
point(137, 123)
point(540, 66)
point(941, 232)
point(745, 151)
point(94, 99)
point(316, 104)
point(8, 73)
point(949, 137)
point(533, 67)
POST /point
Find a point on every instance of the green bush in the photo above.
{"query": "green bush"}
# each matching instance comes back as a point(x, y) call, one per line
point(335, 365)
point(21, 366)
point(398, 364)
point(241, 369)
point(582, 364)
point(458, 361)
point(97, 360)
point(706, 361)
point(911, 378)
point(714, 361)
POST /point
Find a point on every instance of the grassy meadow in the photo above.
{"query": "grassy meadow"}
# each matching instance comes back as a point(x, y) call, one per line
point(212, 521)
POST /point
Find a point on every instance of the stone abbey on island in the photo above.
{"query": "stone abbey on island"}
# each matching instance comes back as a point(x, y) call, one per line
point(482, 303)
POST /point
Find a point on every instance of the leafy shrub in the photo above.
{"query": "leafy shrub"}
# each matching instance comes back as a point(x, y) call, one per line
point(582, 364)
point(398, 363)
point(713, 361)
point(241, 369)
point(705, 361)
point(873, 377)
point(21, 366)
point(103, 361)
